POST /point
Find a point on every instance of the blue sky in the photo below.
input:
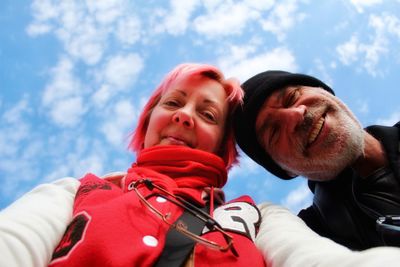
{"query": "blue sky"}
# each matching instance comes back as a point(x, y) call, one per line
point(75, 74)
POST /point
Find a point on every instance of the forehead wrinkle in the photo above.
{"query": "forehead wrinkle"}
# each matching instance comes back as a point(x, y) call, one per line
point(181, 92)
point(282, 94)
point(274, 100)
point(174, 92)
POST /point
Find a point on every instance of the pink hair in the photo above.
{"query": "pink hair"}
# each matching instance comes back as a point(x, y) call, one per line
point(232, 88)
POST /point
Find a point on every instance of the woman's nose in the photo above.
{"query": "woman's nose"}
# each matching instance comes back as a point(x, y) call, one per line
point(184, 118)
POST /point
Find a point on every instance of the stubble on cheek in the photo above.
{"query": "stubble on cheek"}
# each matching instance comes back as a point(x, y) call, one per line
point(340, 147)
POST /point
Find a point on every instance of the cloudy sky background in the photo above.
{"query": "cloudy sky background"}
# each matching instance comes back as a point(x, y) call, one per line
point(75, 74)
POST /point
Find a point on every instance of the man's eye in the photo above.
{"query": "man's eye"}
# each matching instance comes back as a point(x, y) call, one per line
point(291, 98)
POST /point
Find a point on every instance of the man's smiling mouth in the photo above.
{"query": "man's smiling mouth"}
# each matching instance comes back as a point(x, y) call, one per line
point(315, 131)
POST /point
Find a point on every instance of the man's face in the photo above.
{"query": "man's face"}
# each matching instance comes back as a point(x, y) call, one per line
point(309, 132)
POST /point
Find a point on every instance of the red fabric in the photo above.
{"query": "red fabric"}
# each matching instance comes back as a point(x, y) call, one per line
point(112, 227)
point(191, 170)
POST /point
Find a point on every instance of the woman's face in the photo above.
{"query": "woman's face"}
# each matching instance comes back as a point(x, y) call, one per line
point(191, 113)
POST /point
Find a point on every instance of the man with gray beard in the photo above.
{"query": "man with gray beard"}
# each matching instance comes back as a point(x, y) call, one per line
point(293, 124)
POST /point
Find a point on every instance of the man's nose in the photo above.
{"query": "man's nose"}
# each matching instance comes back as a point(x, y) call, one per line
point(184, 118)
point(292, 116)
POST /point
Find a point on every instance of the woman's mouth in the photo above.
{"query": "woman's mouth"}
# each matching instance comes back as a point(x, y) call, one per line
point(176, 141)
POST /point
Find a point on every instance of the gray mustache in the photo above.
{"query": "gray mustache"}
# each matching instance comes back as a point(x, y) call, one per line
point(306, 125)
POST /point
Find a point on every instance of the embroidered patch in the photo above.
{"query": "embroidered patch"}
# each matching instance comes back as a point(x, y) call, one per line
point(240, 217)
point(90, 186)
point(74, 235)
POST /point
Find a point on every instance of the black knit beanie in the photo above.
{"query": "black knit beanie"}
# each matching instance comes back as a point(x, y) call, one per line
point(257, 90)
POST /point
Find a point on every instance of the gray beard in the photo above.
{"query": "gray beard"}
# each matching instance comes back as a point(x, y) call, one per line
point(337, 163)
point(328, 166)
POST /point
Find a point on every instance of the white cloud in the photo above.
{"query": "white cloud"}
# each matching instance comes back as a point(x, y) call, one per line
point(239, 63)
point(106, 12)
point(212, 4)
point(58, 171)
point(389, 121)
point(73, 25)
point(373, 53)
point(299, 198)
point(15, 114)
point(349, 51)
point(82, 154)
point(369, 54)
point(84, 40)
point(38, 29)
point(128, 30)
point(76, 166)
point(63, 96)
point(68, 111)
point(63, 82)
point(390, 23)
point(324, 73)
point(246, 166)
point(226, 19)
point(102, 95)
point(361, 4)
point(177, 19)
point(260, 4)
point(14, 130)
point(120, 123)
point(121, 70)
point(282, 18)
point(92, 162)
point(118, 74)
point(84, 27)
point(44, 10)
point(20, 147)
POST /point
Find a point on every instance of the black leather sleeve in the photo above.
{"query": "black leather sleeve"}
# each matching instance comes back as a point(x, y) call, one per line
point(335, 215)
point(313, 220)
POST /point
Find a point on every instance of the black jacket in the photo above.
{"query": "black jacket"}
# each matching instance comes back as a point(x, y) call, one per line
point(346, 209)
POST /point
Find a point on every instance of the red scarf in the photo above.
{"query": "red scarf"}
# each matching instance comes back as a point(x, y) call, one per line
point(181, 170)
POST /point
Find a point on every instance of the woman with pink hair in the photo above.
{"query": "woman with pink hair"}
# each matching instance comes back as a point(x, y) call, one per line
point(168, 209)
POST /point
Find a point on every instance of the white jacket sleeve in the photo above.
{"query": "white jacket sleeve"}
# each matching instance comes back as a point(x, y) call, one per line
point(286, 241)
point(32, 226)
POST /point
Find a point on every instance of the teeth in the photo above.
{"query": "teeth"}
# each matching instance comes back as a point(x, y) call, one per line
point(316, 130)
point(177, 141)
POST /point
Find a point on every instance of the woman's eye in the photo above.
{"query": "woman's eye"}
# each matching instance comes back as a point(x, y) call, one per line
point(291, 98)
point(171, 103)
point(209, 116)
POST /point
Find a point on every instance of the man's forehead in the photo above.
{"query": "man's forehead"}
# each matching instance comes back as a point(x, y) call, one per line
point(272, 101)
point(276, 96)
